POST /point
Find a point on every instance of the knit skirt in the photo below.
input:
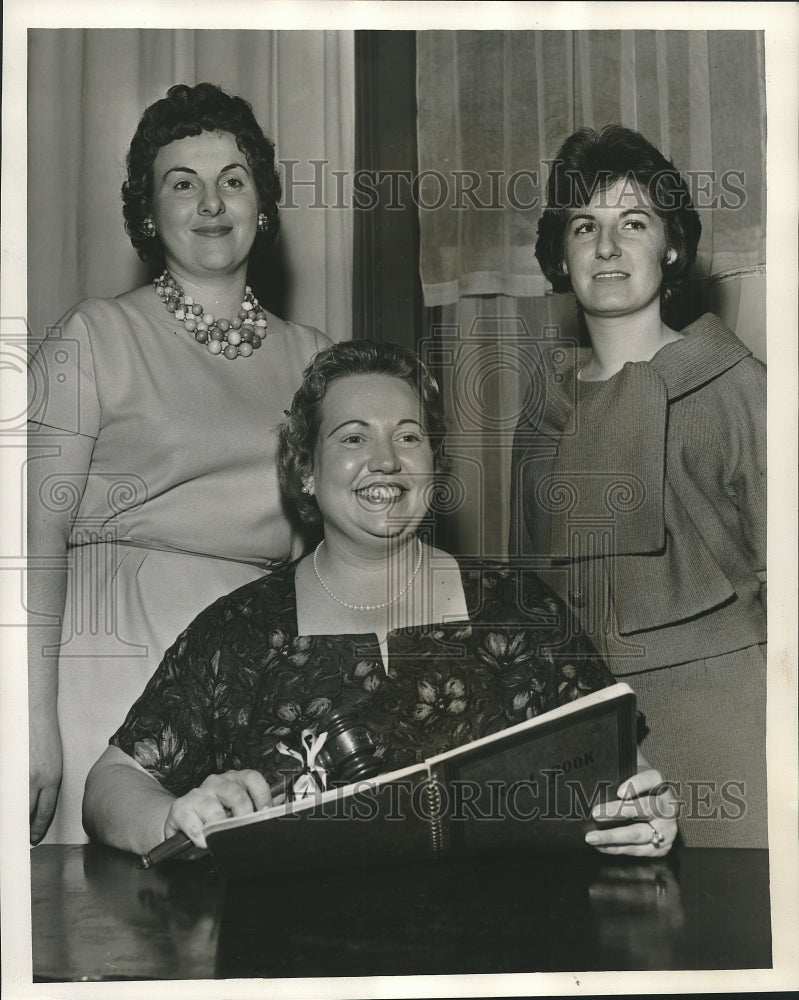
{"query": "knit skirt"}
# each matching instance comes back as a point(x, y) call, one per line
point(707, 736)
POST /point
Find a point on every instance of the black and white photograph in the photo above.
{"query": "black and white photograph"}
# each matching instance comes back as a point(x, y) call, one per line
point(399, 416)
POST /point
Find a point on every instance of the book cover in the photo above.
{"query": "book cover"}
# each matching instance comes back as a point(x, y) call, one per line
point(529, 787)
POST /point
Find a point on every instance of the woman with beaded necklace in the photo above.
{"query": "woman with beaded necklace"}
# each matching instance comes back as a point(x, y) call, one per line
point(158, 497)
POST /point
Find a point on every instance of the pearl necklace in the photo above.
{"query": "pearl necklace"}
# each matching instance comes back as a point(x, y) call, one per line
point(368, 607)
point(231, 338)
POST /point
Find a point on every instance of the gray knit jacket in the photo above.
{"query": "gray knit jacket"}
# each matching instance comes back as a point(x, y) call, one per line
point(643, 497)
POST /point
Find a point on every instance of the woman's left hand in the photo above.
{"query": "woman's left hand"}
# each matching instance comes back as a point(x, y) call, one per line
point(648, 801)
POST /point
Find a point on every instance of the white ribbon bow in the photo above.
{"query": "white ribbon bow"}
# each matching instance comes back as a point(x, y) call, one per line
point(313, 777)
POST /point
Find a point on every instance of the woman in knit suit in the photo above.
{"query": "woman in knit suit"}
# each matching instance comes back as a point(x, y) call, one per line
point(641, 476)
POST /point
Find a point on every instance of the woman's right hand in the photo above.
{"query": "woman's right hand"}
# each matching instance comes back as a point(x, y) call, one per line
point(45, 772)
point(65, 463)
point(234, 793)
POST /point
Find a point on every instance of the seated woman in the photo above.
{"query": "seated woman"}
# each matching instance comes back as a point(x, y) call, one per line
point(428, 654)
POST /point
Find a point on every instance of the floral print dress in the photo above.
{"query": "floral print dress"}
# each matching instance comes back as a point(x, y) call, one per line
point(240, 680)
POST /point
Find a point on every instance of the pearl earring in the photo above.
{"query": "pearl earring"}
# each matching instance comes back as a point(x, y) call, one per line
point(148, 228)
point(263, 222)
point(307, 487)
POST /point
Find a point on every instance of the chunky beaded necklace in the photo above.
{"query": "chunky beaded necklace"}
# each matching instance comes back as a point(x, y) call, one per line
point(368, 607)
point(230, 338)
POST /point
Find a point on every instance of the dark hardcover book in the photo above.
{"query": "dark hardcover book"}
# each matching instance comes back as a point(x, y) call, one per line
point(529, 787)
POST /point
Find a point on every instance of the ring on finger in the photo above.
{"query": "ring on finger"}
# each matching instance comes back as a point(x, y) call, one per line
point(657, 837)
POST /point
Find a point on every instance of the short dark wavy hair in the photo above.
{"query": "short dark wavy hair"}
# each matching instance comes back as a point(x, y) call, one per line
point(189, 111)
point(590, 161)
point(298, 435)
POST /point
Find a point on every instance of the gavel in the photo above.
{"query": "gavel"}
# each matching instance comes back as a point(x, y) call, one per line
point(347, 755)
point(348, 752)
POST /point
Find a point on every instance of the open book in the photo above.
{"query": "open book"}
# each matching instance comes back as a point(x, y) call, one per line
point(529, 787)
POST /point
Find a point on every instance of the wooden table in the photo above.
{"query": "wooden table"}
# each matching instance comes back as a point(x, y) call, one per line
point(97, 917)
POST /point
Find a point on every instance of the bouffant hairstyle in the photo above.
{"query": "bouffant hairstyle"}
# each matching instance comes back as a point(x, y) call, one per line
point(190, 111)
point(298, 435)
point(591, 161)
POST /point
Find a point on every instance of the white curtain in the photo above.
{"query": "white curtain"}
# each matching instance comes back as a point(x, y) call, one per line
point(87, 90)
point(493, 107)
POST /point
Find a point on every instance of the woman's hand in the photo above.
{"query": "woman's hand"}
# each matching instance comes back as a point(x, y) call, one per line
point(235, 793)
point(45, 771)
point(649, 802)
point(49, 526)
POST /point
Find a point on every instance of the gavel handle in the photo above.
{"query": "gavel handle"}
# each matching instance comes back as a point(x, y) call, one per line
point(169, 848)
point(179, 842)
